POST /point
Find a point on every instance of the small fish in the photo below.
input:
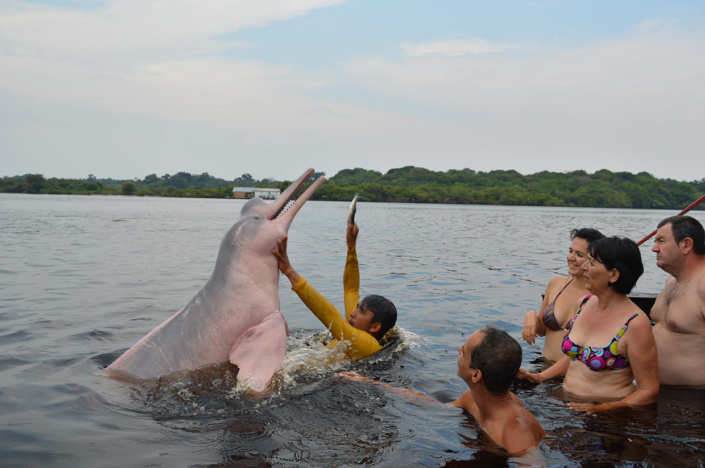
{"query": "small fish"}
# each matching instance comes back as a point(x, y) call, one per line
point(352, 210)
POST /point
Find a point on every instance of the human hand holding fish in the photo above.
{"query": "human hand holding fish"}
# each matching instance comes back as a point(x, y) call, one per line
point(351, 235)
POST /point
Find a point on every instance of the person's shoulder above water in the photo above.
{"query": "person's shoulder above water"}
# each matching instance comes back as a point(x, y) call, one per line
point(556, 282)
point(554, 285)
point(488, 362)
point(700, 287)
point(521, 433)
point(512, 427)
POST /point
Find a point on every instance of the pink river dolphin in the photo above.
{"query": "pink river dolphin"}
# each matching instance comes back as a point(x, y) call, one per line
point(236, 315)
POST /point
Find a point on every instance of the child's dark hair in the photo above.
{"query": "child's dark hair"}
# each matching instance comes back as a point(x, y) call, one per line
point(384, 312)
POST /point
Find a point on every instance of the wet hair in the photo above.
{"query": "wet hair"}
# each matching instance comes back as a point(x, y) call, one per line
point(588, 234)
point(498, 357)
point(622, 254)
point(383, 311)
point(685, 226)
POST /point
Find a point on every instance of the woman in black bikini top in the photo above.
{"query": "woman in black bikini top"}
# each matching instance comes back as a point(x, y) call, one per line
point(560, 298)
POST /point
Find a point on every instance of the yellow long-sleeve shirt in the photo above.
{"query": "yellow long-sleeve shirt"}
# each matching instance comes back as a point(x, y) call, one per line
point(359, 342)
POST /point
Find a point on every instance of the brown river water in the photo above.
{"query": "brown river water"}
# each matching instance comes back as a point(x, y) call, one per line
point(84, 278)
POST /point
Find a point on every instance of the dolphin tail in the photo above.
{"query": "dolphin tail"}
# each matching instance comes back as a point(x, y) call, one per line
point(259, 352)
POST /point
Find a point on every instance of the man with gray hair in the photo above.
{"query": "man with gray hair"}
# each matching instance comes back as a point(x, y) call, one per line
point(679, 310)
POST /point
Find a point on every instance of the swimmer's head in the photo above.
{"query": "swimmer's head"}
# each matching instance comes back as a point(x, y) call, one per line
point(383, 311)
point(496, 355)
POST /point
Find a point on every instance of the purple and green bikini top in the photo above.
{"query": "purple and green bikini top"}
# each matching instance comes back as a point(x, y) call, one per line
point(548, 315)
point(597, 359)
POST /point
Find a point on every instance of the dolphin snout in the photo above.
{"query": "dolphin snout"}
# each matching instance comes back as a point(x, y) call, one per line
point(281, 209)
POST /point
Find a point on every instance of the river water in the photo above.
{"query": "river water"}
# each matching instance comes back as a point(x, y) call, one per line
point(84, 278)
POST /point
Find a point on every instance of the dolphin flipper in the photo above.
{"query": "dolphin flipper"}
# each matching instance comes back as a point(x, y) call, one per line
point(259, 351)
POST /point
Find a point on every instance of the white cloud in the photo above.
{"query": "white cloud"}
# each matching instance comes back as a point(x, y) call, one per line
point(97, 56)
point(130, 26)
point(621, 104)
point(630, 76)
point(632, 103)
point(456, 48)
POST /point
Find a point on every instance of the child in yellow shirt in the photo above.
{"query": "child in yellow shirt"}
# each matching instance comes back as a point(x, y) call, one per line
point(366, 321)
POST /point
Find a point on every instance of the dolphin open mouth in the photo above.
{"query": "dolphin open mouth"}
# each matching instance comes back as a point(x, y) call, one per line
point(290, 195)
point(285, 207)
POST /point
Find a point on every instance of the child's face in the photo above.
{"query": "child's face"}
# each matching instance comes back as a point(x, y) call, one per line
point(361, 318)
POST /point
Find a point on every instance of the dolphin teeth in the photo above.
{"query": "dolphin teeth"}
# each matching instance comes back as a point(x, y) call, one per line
point(286, 204)
point(284, 209)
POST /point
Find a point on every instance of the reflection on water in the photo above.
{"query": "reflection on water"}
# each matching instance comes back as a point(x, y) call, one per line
point(78, 288)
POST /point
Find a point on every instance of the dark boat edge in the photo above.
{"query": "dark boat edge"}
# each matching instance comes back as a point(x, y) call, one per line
point(645, 301)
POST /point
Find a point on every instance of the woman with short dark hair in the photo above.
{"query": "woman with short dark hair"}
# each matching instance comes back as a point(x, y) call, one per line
point(560, 297)
point(609, 343)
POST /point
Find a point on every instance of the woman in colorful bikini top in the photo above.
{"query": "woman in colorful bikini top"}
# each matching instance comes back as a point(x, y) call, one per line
point(561, 295)
point(608, 344)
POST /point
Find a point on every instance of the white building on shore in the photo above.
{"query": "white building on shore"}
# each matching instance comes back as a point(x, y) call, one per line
point(250, 192)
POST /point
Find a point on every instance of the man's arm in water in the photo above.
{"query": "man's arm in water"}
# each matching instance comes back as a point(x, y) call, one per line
point(355, 377)
point(518, 437)
point(466, 401)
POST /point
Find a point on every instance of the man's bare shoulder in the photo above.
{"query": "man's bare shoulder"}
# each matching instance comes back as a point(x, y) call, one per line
point(700, 285)
point(467, 402)
point(522, 432)
point(699, 293)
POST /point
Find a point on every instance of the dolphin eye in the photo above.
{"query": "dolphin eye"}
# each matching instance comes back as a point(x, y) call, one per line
point(256, 216)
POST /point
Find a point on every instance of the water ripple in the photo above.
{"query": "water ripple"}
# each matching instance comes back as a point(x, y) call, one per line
point(78, 289)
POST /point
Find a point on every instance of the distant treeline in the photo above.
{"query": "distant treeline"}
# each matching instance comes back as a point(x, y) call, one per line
point(182, 184)
point(602, 189)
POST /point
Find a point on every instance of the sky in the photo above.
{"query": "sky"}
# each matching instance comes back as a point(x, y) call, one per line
point(125, 88)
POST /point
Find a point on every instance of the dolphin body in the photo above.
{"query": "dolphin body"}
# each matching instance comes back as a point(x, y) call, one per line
point(236, 314)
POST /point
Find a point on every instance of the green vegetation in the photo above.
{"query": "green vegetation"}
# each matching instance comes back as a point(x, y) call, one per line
point(127, 188)
point(182, 185)
point(603, 189)
point(184, 180)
